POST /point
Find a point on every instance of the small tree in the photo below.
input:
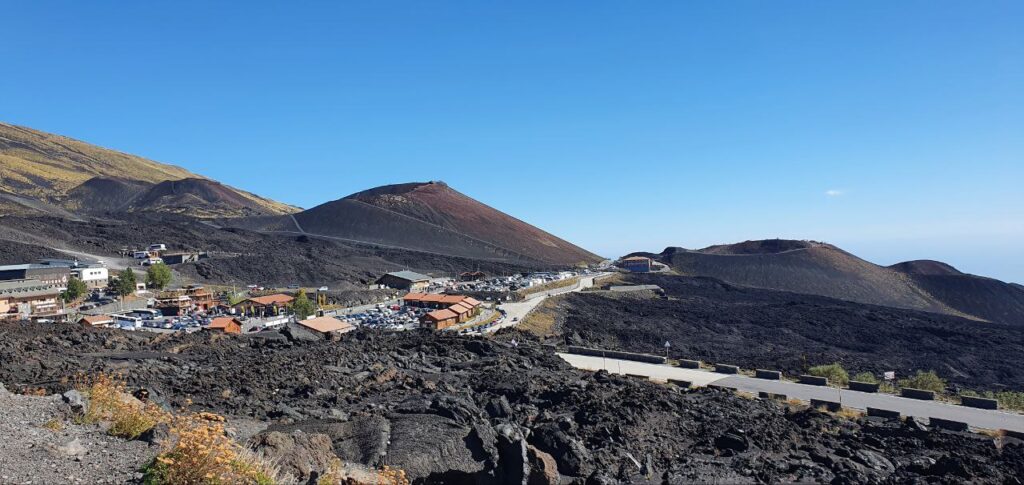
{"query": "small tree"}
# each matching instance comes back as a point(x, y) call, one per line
point(124, 284)
point(302, 306)
point(76, 288)
point(835, 373)
point(158, 276)
point(928, 381)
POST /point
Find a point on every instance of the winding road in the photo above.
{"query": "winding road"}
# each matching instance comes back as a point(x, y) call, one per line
point(976, 418)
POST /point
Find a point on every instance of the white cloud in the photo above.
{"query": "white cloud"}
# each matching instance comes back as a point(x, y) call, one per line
point(835, 192)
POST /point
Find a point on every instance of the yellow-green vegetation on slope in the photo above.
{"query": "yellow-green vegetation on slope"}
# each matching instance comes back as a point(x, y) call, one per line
point(38, 164)
point(48, 167)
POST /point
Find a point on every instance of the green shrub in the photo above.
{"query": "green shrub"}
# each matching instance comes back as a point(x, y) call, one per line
point(928, 381)
point(865, 377)
point(837, 376)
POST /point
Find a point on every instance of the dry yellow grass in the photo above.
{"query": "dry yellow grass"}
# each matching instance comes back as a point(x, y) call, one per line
point(541, 321)
point(339, 474)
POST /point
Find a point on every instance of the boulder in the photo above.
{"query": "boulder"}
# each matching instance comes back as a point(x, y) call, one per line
point(543, 468)
point(76, 401)
point(734, 440)
point(299, 455)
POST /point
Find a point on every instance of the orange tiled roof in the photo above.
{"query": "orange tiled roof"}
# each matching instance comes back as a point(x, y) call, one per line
point(432, 298)
point(460, 308)
point(222, 322)
point(452, 298)
point(275, 299)
point(327, 324)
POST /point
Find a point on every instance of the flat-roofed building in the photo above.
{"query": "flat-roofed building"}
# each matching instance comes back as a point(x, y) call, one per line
point(637, 264)
point(405, 280)
point(44, 273)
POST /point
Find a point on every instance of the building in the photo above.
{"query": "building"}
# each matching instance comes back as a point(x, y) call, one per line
point(226, 325)
point(94, 275)
point(27, 299)
point(472, 276)
point(326, 325)
point(96, 320)
point(405, 280)
point(264, 306)
point(440, 319)
point(43, 273)
point(173, 303)
point(637, 264)
point(181, 258)
point(439, 301)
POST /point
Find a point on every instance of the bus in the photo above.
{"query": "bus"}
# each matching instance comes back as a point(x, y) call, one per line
point(145, 313)
point(127, 321)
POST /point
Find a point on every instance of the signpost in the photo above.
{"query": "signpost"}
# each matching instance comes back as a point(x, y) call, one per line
point(668, 345)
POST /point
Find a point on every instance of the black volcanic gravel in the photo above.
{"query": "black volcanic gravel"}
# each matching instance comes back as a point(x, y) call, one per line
point(457, 410)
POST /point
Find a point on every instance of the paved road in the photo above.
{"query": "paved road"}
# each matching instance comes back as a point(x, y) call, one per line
point(515, 312)
point(978, 418)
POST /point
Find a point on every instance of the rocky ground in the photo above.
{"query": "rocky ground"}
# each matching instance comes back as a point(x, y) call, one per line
point(712, 321)
point(239, 256)
point(40, 443)
point(456, 410)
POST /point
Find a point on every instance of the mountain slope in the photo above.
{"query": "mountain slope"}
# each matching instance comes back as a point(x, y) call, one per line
point(435, 218)
point(982, 297)
point(76, 175)
point(803, 267)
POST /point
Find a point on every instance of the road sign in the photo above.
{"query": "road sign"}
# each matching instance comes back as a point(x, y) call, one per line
point(891, 375)
point(667, 344)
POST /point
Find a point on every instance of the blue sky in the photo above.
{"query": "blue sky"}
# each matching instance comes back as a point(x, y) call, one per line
point(892, 129)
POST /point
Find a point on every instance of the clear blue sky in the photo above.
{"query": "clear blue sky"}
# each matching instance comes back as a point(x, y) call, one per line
point(892, 129)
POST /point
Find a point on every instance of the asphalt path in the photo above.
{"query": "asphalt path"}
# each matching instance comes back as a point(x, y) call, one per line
point(977, 418)
point(515, 312)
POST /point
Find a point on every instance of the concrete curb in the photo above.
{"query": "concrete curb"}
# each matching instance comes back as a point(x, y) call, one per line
point(813, 380)
point(863, 386)
point(884, 413)
point(726, 369)
point(772, 375)
point(917, 394)
point(979, 402)
point(948, 424)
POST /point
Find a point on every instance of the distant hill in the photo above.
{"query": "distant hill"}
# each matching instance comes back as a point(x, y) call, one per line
point(982, 297)
point(38, 167)
point(802, 267)
point(431, 217)
point(817, 268)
